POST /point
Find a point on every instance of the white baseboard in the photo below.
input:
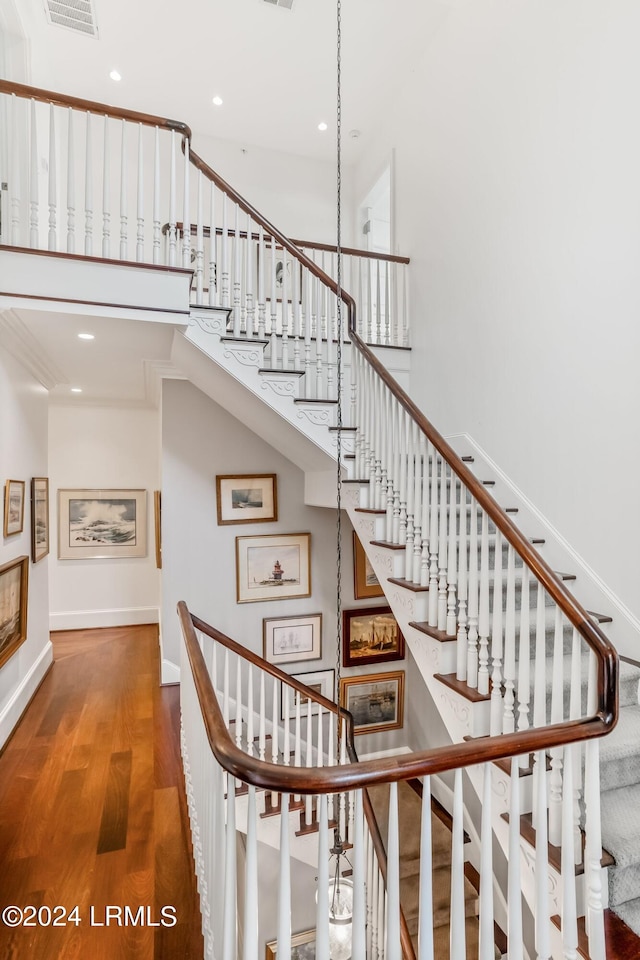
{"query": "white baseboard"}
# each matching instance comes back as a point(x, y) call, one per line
point(17, 704)
point(170, 672)
point(91, 619)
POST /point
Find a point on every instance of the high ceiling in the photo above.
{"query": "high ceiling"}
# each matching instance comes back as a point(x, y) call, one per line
point(274, 68)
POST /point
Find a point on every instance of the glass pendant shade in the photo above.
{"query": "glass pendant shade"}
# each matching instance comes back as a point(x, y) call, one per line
point(340, 918)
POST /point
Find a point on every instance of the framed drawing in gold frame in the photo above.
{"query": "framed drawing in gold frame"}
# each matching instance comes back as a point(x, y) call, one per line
point(13, 507)
point(14, 583)
point(39, 518)
point(366, 585)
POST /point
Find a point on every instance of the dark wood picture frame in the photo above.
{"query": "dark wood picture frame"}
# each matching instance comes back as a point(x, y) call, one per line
point(363, 586)
point(230, 489)
point(14, 588)
point(157, 521)
point(370, 635)
point(40, 536)
point(13, 514)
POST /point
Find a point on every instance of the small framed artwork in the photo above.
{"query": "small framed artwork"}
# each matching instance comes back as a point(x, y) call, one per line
point(376, 701)
point(157, 522)
point(292, 639)
point(273, 567)
point(14, 582)
point(13, 507)
point(303, 947)
point(39, 518)
point(365, 583)
point(370, 635)
point(319, 681)
point(97, 524)
point(247, 498)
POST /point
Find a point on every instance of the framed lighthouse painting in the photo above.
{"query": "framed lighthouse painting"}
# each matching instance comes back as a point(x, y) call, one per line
point(273, 567)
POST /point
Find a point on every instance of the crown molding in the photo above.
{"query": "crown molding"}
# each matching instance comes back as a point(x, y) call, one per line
point(26, 349)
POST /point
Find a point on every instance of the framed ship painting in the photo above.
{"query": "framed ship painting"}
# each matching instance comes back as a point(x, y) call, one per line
point(371, 635)
point(376, 701)
point(14, 581)
point(97, 524)
point(273, 567)
point(292, 639)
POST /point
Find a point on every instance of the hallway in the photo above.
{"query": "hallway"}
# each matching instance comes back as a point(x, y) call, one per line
point(93, 810)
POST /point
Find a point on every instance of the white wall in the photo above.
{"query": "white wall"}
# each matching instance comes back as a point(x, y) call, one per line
point(200, 439)
point(296, 194)
point(23, 454)
point(518, 199)
point(100, 448)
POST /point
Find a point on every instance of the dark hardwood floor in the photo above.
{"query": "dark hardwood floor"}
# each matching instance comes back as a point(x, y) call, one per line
point(93, 812)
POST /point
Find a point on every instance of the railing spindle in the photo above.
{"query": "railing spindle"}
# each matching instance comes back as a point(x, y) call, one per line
point(284, 886)
point(156, 197)
point(53, 203)
point(250, 934)
point(34, 204)
point(514, 881)
point(140, 198)
point(508, 719)
point(425, 917)
point(123, 193)
point(472, 600)
point(393, 950)
point(457, 933)
point(71, 186)
point(486, 932)
point(88, 189)
point(186, 210)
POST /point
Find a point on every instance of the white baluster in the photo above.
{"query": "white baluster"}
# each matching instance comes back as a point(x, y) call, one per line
point(274, 732)
point(419, 490)
point(199, 243)
point(123, 194)
point(297, 739)
point(425, 930)
point(387, 318)
point(71, 187)
point(540, 662)
point(472, 600)
point(106, 192)
point(508, 719)
point(53, 203)
point(359, 910)
point(284, 886)
point(173, 235)
point(250, 936)
point(442, 550)
point(250, 306)
point(140, 199)
point(496, 641)
point(594, 918)
point(410, 485)
point(186, 214)
point(262, 733)
point(250, 711)
point(88, 190)
point(229, 921)
point(378, 306)
point(33, 180)
point(568, 861)
point(157, 233)
point(486, 935)
point(541, 913)
point(393, 951)
point(433, 542)
point(557, 714)
point(285, 313)
point(308, 812)
point(452, 552)
point(575, 712)
point(307, 283)
point(318, 334)
point(457, 933)
point(524, 659)
point(461, 646)
point(402, 440)
point(213, 241)
point(514, 882)
point(330, 302)
point(297, 316)
point(237, 318)
point(239, 704)
point(483, 609)
point(261, 288)
point(322, 914)
point(224, 255)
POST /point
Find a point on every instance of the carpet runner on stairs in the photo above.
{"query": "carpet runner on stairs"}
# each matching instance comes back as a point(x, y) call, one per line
point(409, 815)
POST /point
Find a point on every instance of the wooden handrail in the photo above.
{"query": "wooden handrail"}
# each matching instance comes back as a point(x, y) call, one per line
point(27, 92)
point(354, 776)
point(307, 244)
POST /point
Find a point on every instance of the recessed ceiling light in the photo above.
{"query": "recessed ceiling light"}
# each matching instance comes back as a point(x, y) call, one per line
point(76, 389)
point(86, 336)
point(322, 126)
point(115, 75)
point(217, 101)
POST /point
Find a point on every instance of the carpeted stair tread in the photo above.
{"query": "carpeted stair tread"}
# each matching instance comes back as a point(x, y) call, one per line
point(620, 751)
point(629, 680)
point(621, 824)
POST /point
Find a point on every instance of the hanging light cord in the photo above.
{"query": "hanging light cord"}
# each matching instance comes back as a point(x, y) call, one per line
point(339, 359)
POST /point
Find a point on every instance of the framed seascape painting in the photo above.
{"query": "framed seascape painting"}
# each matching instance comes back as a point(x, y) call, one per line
point(303, 947)
point(365, 583)
point(247, 498)
point(273, 567)
point(96, 524)
point(39, 518)
point(376, 701)
point(318, 681)
point(292, 639)
point(370, 635)
point(13, 507)
point(14, 582)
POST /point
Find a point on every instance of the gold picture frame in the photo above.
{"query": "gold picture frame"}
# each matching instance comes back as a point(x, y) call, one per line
point(14, 586)
point(39, 518)
point(157, 522)
point(376, 701)
point(366, 585)
point(275, 566)
point(303, 946)
point(13, 507)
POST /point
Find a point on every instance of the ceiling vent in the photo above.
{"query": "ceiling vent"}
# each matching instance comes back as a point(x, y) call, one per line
point(287, 4)
point(74, 15)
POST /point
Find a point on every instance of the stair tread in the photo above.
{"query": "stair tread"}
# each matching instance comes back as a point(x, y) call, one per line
point(621, 942)
point(313, 400)
point(440, 635)
point(408, 585)
point(271, 370)
point(388, 545)
point(555, 853)
point(246, 341)
point(619, 816)
point(600, 617)
point(372, 510)
point(460, 686)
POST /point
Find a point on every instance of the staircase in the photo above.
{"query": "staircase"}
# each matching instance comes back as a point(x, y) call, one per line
point(518, 670)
